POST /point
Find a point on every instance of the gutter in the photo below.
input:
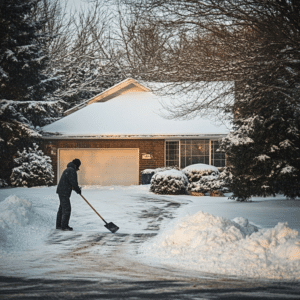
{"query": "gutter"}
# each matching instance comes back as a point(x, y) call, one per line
point(105, 137)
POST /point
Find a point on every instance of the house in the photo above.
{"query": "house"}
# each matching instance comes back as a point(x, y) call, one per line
point(123, 131)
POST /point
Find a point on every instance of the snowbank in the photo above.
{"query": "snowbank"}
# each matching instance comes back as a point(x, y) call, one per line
point(14, 213)
point(212, 244)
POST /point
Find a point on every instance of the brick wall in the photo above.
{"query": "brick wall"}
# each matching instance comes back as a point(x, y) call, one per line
point(153, 147)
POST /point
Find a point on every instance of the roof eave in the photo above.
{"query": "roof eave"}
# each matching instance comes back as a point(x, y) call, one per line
point(132, 136)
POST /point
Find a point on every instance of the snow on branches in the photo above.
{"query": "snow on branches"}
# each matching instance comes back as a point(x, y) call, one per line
point(269, 164)
point(32, 168)
point(198, 178)
point(32, 113)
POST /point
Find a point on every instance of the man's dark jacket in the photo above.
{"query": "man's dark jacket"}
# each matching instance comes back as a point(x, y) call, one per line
point(68, 181)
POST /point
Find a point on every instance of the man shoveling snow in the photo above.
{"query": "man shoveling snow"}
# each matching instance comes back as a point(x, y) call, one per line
point(67, 182)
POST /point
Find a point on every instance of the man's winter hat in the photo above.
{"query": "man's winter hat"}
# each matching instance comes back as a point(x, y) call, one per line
point(77, 163)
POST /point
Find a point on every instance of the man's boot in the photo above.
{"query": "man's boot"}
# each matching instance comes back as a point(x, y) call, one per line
point(68, 228)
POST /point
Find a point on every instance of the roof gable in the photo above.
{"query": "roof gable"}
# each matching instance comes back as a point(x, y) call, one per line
point(128, 85)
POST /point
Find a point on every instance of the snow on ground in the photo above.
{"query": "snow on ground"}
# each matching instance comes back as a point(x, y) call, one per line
point(214, 244)
point(203, 234)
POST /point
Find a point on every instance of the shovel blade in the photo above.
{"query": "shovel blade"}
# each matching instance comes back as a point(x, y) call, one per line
point(112, 227)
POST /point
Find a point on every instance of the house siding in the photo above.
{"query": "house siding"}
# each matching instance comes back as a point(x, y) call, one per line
point(153, 147)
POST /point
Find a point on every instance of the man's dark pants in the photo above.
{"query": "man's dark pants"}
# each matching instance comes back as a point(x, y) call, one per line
point(64, 212)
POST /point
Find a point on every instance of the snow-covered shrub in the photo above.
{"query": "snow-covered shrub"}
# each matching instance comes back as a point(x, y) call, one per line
point(206, 184)
point(202, 178)
point(147, 174)
point(170, 182)
point(205, 178)
point(32, 168)
point(195, 172)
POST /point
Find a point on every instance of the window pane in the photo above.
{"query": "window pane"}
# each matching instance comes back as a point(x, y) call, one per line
point(218, 163)
point(195, 150)
point(198, 159)
point(219, 156)
point(172, 153)
point(188, 150)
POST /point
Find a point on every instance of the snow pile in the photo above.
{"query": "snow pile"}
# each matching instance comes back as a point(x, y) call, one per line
point(200, 168)
point(152, 171)
point(14, 213)
point(171, 182)
point(212, 244)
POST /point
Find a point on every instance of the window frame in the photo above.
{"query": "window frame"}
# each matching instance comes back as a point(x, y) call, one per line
point(179, 152)
point(210, 148)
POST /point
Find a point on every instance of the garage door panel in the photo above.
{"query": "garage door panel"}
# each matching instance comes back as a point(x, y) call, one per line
point(103, 166)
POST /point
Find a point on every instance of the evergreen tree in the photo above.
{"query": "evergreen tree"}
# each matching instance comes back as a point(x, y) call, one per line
point(22, 79)
point(16, 131)
point(82, 78)
point(22, 59)
point(263, 150)
point(32, 168)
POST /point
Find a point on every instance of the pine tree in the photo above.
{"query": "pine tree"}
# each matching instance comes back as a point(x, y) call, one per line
point(82, 78)
point(22, 58)
point(32, 168)
point(263, 150)
point(22, 78)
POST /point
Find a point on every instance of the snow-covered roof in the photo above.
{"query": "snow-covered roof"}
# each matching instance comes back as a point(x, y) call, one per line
point(132, 114)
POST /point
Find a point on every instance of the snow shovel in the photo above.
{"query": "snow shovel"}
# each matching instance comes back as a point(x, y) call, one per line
point(110, 226)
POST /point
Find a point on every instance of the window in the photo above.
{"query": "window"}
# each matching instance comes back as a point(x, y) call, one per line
point(194, 152)
point(188, 152)
point(172, 153)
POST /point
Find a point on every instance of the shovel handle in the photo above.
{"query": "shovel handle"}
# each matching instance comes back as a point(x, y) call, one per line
point(93, 209)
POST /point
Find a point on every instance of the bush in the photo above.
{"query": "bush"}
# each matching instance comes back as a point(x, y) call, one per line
point(170, 182)
point(205, 178)
point(206, 184)
point(32, 168)
point(147, 174)
point(195, 172)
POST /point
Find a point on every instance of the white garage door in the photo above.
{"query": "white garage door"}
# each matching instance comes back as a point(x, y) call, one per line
point(103, 166)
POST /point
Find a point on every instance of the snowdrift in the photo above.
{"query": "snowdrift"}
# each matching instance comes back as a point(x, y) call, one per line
point(212, 244)
point(14, 213)
point(20, 225)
